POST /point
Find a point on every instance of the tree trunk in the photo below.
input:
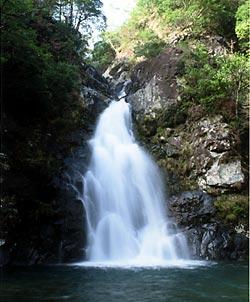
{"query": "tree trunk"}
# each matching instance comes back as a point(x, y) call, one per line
point(60, 11)
point(71, 13)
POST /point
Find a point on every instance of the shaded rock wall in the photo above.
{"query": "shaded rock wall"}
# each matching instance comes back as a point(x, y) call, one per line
point(96, 94)
point(62, 237)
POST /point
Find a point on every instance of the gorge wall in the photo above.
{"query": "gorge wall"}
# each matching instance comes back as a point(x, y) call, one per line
point(57, 233)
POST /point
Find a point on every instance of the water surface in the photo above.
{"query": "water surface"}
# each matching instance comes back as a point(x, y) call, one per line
point(211, 283)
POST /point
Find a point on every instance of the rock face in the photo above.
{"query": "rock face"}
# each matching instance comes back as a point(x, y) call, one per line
point(154, 82)
point(204, 152)
point(201, 150)
point(207, 236)
point(214, 157)
point(147, 99)
point(223, 175)
point(191, 208)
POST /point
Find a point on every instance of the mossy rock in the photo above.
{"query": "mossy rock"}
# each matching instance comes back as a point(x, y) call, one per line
point(233, 208)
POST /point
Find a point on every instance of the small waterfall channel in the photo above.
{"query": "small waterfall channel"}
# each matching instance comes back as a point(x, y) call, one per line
point(124, 199)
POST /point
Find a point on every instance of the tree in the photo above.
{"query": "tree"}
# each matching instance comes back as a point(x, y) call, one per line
point(102, 55)
point(79, 14)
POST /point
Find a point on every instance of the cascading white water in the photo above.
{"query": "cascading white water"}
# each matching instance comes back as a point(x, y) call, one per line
point(124, 198)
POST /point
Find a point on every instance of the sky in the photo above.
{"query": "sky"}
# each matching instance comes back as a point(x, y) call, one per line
point(116, 12)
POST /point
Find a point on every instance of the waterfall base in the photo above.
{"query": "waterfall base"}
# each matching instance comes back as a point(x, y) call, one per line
point(137, 264)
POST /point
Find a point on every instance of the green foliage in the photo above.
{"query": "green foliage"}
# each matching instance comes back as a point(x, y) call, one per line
point(102, 55)
point(243, 24)
point(211, 80)
point(38, 77)
point(233, 208)
point(41, 57)
point(197, 15)
point(78, 14)
point(148, 45)
point(172, 116)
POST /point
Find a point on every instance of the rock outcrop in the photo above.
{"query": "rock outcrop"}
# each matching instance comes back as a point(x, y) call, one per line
point(214, 158)
point(208, 237)
point(202, 150)
point(155, 83)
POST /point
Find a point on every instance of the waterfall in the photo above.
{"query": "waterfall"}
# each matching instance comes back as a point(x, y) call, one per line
point(124, 198)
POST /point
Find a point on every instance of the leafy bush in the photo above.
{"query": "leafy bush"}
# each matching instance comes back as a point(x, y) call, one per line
point(210, 80)
point(148, 45)
point(172, 116)
point(243, 24)
point(233, 208)
point(153, 22)
point(102, 55)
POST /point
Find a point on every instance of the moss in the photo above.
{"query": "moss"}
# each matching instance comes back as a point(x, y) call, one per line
point(231, 217)
point(172, 116)
point(156, 131)
point(233, 208)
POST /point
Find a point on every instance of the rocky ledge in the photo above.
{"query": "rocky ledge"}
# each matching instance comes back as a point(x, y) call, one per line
point(208, 237)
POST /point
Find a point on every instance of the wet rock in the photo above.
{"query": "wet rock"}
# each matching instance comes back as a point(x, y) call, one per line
point(208, 238)
point(191, 207)
point(241, 243)
point(119, 74)
point(4, 255)
point(117, 69)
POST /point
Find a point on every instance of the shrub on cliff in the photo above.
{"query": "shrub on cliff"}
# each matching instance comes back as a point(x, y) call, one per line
point(233, 208)
point(243, 25)
point(102, 55)
point(211, 80)
point(149, 44)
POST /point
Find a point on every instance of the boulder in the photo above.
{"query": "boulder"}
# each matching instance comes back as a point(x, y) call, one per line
point(223, 175)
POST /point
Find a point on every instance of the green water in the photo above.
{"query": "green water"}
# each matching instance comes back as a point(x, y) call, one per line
point(220, 282)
